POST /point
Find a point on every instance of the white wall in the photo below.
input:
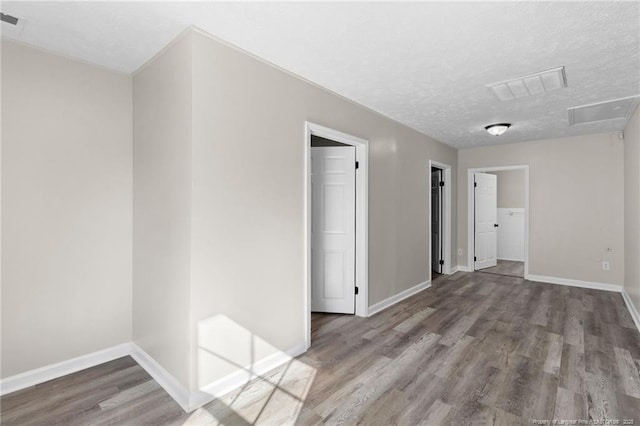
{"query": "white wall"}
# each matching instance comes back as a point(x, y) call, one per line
point(66, 208)
point(162, 208)
point(575, 203)
point(511, 203)
point(511, 188)
point(511, 232)
point(632, 208)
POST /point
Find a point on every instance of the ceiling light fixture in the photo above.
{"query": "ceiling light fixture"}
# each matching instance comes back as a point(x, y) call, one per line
point(497, 129)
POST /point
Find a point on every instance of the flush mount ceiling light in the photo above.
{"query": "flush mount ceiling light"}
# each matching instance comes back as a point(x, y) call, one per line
point(497, 129)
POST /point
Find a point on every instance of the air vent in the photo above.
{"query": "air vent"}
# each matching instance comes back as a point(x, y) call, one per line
point(8, 19)
point(608, 110)
point(529, 85)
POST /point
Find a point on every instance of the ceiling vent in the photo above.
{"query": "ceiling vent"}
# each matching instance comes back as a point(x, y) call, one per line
point(11, 27)
point(529, 85)
point(608, 110)
point(8, 19)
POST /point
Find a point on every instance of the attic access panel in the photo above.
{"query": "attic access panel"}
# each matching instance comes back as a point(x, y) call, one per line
point(601, 111)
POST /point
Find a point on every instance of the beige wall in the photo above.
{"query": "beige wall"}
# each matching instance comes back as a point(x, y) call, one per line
point(248, 202)
point(219, 205)
point(66, 208)
point(511, 188)
point(162, 208)
point(576, 203)
point(632, 208)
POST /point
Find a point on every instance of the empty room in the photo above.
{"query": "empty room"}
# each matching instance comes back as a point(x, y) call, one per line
point(278, 213)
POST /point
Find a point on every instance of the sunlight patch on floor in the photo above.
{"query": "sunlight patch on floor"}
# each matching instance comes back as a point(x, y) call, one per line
point(278, 396)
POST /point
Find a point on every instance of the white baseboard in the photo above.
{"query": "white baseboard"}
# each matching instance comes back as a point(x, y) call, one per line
point(453, 270)
point(165, 379)
point(59, 369)
point(464, 268)
point(632, 309)
point(574, 283)
point(189, 401)
point(511, 260)
point(233, 381)
point(380, 306)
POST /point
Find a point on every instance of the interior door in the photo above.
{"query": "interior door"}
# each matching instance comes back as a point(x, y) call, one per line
point(436, 222)
point(333, 229)
point(486, 220)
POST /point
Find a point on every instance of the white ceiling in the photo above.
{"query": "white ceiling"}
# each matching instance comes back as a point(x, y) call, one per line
point(423, 64)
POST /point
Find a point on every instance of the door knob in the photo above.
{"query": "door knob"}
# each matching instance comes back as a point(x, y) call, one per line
point(495, 225)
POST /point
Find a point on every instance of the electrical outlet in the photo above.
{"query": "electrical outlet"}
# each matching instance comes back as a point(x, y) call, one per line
point(459, 252)
point(606, 266)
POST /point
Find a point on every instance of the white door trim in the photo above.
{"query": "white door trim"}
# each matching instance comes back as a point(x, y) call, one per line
point(470, 214)
point(446, 217)
point(362, 215)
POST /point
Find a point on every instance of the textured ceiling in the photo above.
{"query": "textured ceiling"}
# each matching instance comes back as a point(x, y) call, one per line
point(423, 64)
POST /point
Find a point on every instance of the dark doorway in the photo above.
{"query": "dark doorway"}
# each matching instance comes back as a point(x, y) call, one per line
point(437, 259)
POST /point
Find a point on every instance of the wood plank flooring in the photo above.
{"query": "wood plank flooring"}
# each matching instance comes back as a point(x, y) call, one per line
point(476, 348)
point(511, 268)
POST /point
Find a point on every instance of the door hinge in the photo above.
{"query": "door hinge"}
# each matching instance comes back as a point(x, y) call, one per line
point(441, 262)
point(475, 258)
point(442, 183)
point(356, 290)
point(475, 184)
point(357, 164)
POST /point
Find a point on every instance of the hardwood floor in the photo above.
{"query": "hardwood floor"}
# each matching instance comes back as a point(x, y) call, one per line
point(476, 348)
point(506, 267)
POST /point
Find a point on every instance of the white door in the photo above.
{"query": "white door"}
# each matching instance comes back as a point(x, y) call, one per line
point(436, 222)
point(333, 229)
point(486, 220)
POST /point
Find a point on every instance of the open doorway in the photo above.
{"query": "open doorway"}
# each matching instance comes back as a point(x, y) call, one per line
point(437, 259)
point(336, 266)
point(439, 219)
point(498, 220)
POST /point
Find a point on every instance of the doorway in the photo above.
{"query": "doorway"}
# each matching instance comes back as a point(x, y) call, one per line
point(437, 259)
point(336, 211)
point(439, 238)
point(498, 225)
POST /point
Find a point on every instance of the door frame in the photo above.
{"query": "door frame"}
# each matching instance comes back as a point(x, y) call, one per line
point(440, 190)
point(471, 202)
point(362, 218)
point(446, 217)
